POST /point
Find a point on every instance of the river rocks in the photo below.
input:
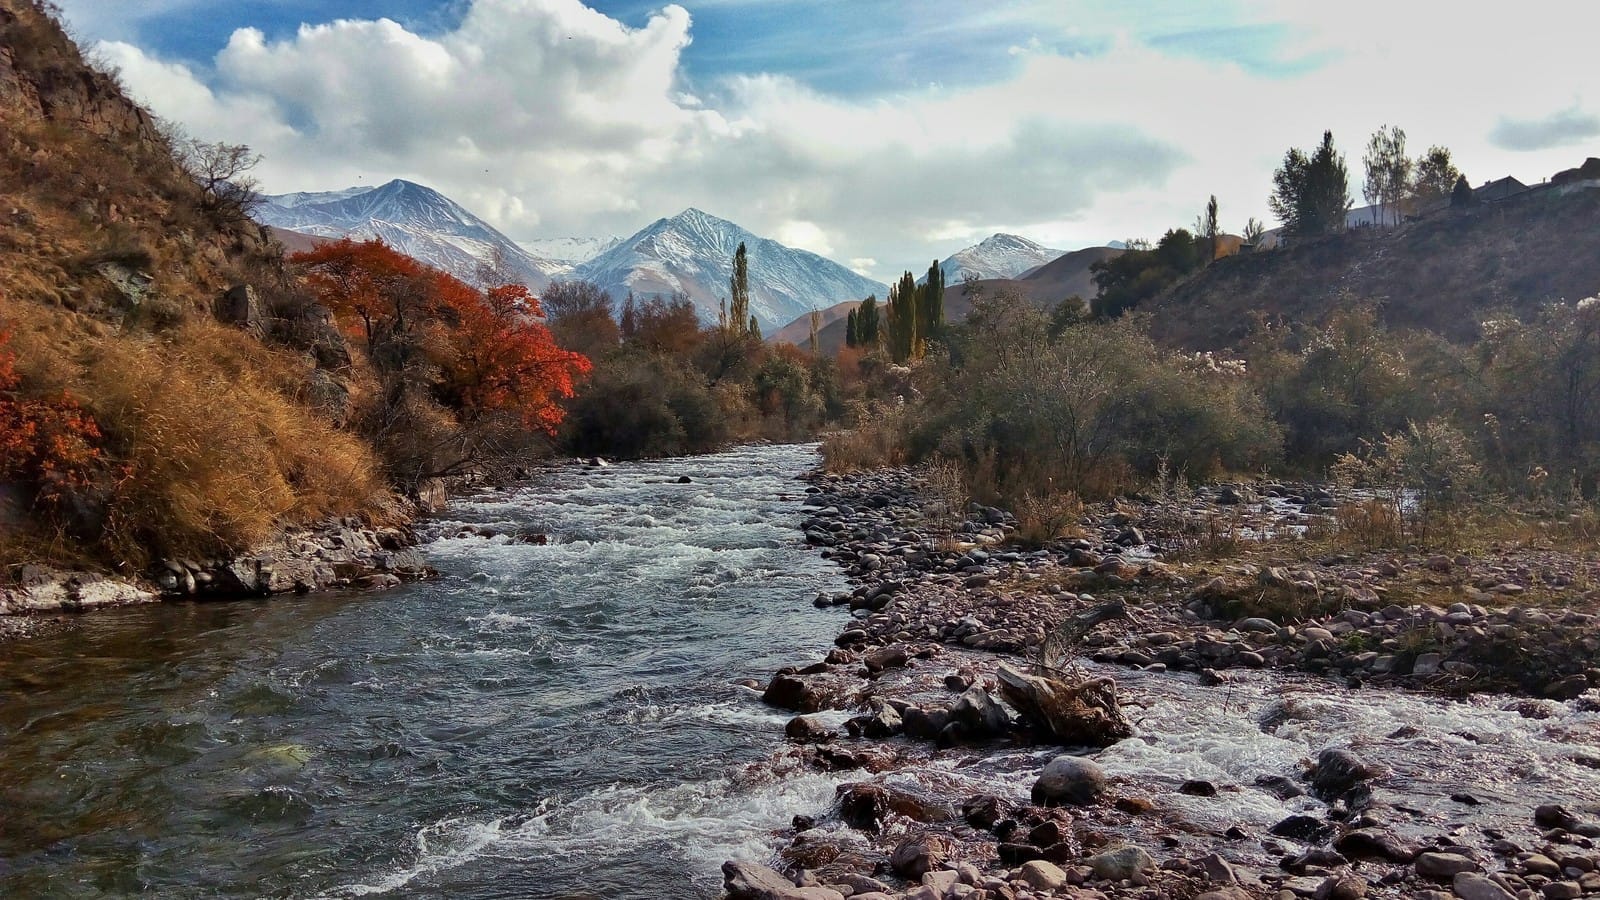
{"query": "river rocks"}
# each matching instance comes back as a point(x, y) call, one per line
point(1121, 863)
point(44, 590)
point(920, 853)
point(748, 881)
point(919, 587)
point(1374, 843)
point(979, 715)
point(796, 693)
point(1444, 866)
point(1472, 886)
point(807, 730)
point(1042, 875)
point(1341, 887)
point(1338, 771)
point(1069, 780)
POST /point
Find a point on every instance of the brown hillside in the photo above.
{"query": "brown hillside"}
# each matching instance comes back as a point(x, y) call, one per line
point(798, 332)
point(293, 241)
point(1443, 274)
point(113, 266)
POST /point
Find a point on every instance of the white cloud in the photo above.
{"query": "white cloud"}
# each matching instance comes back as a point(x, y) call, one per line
point(549, 118)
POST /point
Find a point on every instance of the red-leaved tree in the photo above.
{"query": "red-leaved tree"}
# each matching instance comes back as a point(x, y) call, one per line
point(496, 358)
point(506, 359)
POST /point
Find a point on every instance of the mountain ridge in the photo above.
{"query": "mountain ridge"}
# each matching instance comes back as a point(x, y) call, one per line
point(416, 220)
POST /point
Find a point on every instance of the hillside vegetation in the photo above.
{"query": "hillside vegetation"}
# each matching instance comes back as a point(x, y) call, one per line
point(1444, 274)
point(171, 387)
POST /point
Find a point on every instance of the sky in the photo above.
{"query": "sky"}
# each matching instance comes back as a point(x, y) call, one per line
point(881, 133)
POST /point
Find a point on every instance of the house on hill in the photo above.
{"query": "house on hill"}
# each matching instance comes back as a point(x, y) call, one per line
point(1495, 191)
point(1589, 171)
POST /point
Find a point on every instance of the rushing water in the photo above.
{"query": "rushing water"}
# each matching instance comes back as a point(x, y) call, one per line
point(543, 721)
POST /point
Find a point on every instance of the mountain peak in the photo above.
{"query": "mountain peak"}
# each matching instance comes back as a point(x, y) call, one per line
point(693, 251)
point(414, 219)
point(1000, 255)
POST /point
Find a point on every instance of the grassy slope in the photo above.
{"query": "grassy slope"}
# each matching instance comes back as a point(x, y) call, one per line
point(208, 428)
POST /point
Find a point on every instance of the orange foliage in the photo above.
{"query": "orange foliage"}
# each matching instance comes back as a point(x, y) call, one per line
point(506, 361)
point(501, 359)
point(368, 281)
point(52, 445)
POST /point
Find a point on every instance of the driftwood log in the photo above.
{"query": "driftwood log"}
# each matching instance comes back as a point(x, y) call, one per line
point(1081, 714)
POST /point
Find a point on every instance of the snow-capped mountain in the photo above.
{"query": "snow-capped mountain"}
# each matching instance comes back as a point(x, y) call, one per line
point(998, 256)
point(415, 220)
point(573, 251)
point(693, 252)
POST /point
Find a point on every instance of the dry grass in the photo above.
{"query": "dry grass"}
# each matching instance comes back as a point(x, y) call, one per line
point(1042, 519)
point(211, 445)
point(878, 442)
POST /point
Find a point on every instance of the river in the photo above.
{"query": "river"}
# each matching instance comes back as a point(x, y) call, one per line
point(564, 721)
point(542, 721)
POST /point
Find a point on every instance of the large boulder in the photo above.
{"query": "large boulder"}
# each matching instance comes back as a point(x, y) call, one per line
point(980, 714)
point(239, 306)
point(1121, 863)
point(748, 881)
point(1069, 781)
point(795, 693)
point(1338, 771)
point(920, 854)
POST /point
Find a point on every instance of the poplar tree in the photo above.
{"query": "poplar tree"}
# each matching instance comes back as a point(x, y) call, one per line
point(739, 291)
point(932, 325)
point(903, 315)
point(851, 335)
point(868, 323)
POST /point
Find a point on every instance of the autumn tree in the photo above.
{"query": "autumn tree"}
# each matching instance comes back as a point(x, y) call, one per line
point(1311, 194)
point(579, 315)
point(462, 371)
point(505, 361)
point(49, 445)
point(1388, 173)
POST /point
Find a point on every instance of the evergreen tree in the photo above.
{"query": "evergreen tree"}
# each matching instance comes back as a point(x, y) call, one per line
point(1461, 194)
point(933, 303)
point(851, 335)
point(1312, 194)
point(869, 326)
point(739, 290)
point(754, 328)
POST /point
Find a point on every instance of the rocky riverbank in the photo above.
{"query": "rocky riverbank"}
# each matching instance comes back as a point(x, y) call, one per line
point(343, 554)
point(965, 655)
